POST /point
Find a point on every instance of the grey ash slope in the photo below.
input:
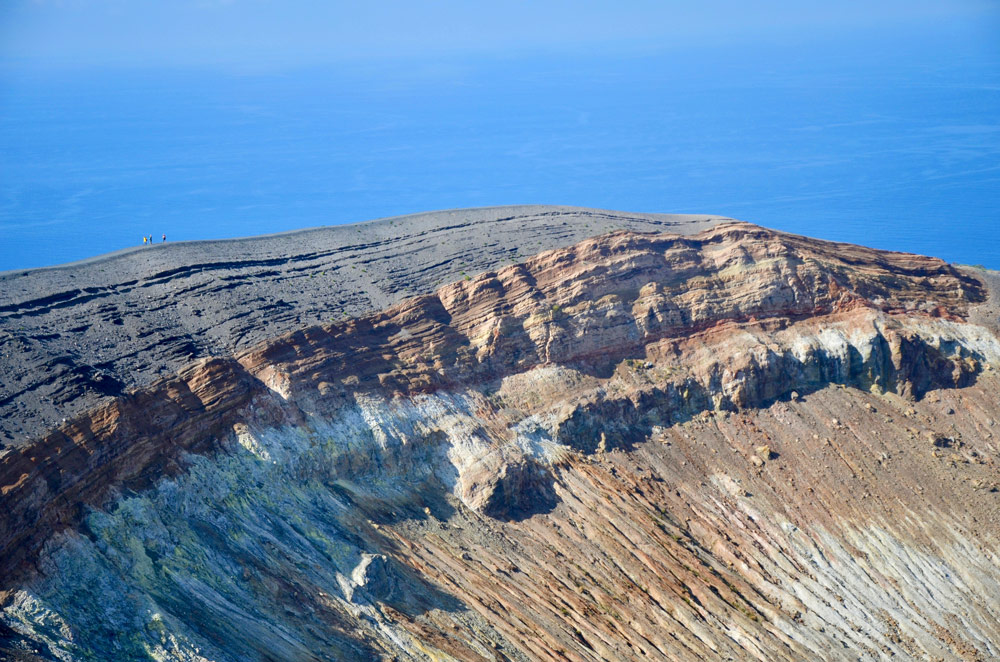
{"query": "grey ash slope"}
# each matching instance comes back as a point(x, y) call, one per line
point(74, 334)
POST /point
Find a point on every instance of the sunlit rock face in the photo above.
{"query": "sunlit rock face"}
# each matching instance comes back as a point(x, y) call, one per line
point(738, 444)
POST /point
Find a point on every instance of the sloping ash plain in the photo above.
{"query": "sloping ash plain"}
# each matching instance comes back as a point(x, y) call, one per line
point(682, 438)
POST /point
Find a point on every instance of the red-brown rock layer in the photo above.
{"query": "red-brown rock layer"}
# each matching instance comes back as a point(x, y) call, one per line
point(601, 301)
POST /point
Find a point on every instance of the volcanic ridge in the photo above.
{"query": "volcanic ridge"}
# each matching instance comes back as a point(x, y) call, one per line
point(523, 433)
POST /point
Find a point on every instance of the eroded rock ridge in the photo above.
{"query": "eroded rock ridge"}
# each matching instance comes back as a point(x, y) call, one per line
point(738, 443)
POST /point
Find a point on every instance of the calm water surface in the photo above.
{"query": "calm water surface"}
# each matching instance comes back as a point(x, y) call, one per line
point(894, 145)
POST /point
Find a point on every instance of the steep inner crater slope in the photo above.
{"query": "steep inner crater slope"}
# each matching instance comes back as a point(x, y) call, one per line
point(736, 444)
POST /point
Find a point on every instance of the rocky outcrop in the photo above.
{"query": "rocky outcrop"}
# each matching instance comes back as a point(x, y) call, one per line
point(640, 446)
point(602, 301)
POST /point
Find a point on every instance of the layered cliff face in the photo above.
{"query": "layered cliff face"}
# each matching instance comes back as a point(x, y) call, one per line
point(738, 444)
point(74, 335)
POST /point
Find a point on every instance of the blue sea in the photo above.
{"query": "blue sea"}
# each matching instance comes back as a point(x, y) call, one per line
point(893, 143)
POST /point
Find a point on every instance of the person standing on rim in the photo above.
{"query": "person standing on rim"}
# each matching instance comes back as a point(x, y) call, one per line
point(164, 238)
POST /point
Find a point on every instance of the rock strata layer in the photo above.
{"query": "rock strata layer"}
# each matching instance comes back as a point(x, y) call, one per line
point(732, 444)
point(75, 335)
